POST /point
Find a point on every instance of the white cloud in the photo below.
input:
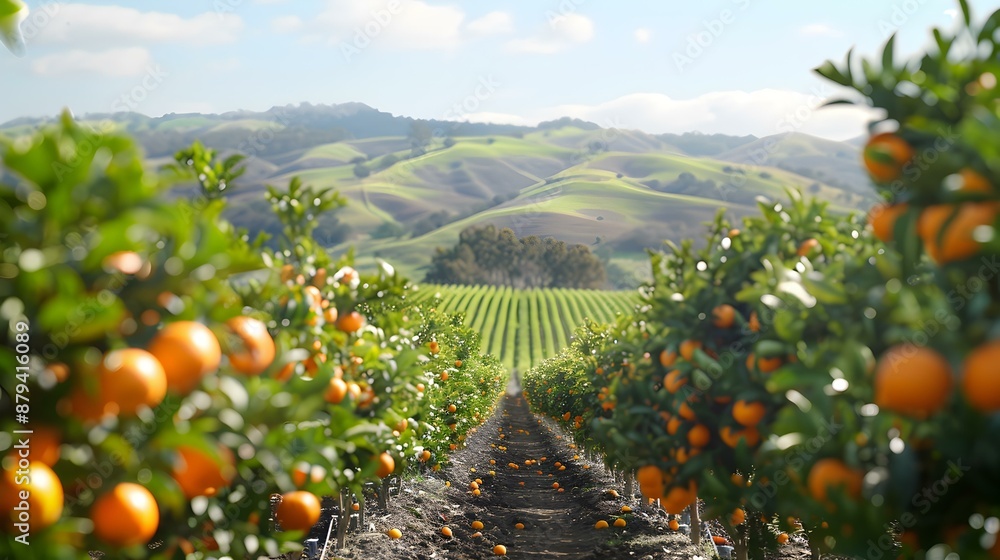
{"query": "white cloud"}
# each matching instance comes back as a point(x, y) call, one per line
point(286, 24)
point(402, 24)
point(561, 33)
point(89, 25)
point(819, 30)
point(642, 34)
point(493, 23)
point(131, 61)
point(761, 113)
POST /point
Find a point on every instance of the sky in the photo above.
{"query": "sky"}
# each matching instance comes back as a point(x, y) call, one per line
point(713, 66)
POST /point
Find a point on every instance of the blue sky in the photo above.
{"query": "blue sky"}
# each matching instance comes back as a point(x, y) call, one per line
point(733, 66)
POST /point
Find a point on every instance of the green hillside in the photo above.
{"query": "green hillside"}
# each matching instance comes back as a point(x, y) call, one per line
point(523, 327)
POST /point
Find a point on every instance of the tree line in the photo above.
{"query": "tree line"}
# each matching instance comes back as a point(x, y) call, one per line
point(498, 257)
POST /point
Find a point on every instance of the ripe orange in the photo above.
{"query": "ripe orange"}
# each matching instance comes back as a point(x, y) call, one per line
point(674, 525)
point(335, 391)
point(386, 465)
point(764, 365)
point(425, 456)
point(200, 474)
point(687, 349)
point(519, 526)
point(973, 182)
point(749, 413)
point(252, 349)
point(673, 381)
point(732, 437)
point(45, 499)
point(833, 473)
point(885, 155)
point(912, 380)
point(667, 358)
point(351, 322)
point(652, 481)
point(125, 516)
point(980, 382)
point(477, 525)
point(287, 272)
point(620, 522)
point(602, 524)
point(46, 443)
point(679, 498)
point(500, 550)
point(452, 408)
point(394, 533)
point(446, 532)
point(298, 511)
point(130, 379)
point(699, 436)
point(783, 538)
point(724, 316)
point(737, 517)
point(883, 217)
point(754, 322)
point(960, 222)
point(187, 351)
point(807, 247)
point(673, 425)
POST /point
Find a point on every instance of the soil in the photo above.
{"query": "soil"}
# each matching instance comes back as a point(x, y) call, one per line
point(556, 524)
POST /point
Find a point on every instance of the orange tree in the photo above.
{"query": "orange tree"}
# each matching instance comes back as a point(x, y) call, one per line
point(935, 157)
point(172, 402)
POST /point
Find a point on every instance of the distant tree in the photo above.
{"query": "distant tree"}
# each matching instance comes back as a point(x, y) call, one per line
point(359, 159)
point(449, 142)
point(619, 175)
point(420, 134)
point(814, 188)
point(727, 169)
point(388, 161)
point(765, 175)
point(490, 140)
point(486, 255)
point(361, 171)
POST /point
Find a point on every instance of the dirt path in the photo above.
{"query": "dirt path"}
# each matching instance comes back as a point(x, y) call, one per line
point(556, 524)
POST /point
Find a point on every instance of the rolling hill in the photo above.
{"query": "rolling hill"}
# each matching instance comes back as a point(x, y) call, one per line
point(618, 191)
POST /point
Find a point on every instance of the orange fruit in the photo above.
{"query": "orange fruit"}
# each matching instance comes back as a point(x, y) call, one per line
point(807, 247)
point(519, 526)
point(287, 272)
point(351, 322)
point(980, 382)
point(46, 444)
point(500, 550)
point(754, 322)
point(446, 532)
point(783, 538)
point(298, 511)
point(885, 155)
point(452, 408)
point(912, 380)
point(425, 456)
point(687, 349)
point(187, 351)
point(44, 505)
point(252, 349)
point(732, 437)
point(960, 222)
point(737, 517)
point(673, 425)
point(724, 316)
point(336, 390)
point(674, 525)
point(602, 524)
point(973, 182)
point(394, 533)
point(673, 381)
point(667, 358)
point(130, 379)
point(679, 498)
point(386, 465)
point(286, 372)
point(620, 522)
point(355, 506)
point(652, 481)
point(764, 365)
point(200, 474)
point(833, 473)
point(883, 217)
point(125, 516)
point(699, 436)
point(477, 525)
point(748, 413)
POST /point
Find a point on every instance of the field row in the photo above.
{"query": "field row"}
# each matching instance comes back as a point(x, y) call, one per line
point(524, 327)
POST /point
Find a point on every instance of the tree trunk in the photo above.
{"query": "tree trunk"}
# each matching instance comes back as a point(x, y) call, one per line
point(361, 513)
point(629, 486)
point(343, 518)
point(383, 495)
point(695, 524)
